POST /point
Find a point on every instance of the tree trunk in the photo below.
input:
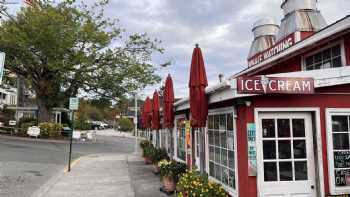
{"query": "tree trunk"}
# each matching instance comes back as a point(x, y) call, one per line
point(44, 113)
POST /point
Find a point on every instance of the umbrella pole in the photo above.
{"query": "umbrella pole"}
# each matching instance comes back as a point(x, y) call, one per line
point(202, 150)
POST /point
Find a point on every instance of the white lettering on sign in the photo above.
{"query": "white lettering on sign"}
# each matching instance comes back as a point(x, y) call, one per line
point(263, 84)
point(272, 51)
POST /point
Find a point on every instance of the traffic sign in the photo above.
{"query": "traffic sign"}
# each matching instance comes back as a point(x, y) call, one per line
point(2, 64)
point(73, 103)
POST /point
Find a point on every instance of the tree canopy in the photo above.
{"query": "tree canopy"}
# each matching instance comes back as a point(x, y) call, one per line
point(69, 48)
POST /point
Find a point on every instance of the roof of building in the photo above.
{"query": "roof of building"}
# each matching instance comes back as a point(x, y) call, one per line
point(337, 27)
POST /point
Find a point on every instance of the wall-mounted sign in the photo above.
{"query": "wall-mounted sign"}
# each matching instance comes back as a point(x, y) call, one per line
point(252, 164)
point(342, 159)
point(342, 177)
point(275, 85)
point(272, 51)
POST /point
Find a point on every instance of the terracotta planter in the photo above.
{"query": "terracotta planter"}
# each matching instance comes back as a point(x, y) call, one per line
point(156, 169)
point(148, 160)
point(169, 184)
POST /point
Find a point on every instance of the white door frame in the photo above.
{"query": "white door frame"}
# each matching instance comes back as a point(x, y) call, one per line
point(180, 116)
point(319, 176)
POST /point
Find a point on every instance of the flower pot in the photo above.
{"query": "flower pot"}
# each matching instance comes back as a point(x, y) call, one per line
point(148, 160)
point(169, 184)
point(156, 168)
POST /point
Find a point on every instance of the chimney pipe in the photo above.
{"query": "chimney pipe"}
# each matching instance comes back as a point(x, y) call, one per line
point(264, 31)
point(300, 16)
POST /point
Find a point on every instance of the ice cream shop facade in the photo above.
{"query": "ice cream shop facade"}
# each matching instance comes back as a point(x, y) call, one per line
point(280, 127)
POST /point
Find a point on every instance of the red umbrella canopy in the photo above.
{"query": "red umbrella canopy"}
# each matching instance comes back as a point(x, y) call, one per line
point(143, 117)
point(148, 112)
point(169, 103)
point(197, 84)
point(155, 114)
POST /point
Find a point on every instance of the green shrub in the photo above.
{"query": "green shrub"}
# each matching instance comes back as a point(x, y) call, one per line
point(148, 151)
point(24, 120)
point(144, 143)
point(159, 154)
point(51, 130)
point(83, 126)
point(125, 124)
point(25, 125)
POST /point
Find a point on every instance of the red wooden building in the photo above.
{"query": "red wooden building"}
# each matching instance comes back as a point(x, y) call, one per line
point(280, 127)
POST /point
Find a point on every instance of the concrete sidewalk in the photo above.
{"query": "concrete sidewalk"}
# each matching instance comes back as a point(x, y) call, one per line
point(105, 175)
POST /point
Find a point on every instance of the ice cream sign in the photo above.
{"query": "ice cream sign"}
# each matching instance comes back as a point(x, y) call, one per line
point(274, 85)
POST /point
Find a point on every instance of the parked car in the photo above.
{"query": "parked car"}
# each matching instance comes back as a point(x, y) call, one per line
point(99, 125)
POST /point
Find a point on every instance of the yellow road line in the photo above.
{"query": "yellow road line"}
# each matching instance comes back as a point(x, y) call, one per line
point(72, 164)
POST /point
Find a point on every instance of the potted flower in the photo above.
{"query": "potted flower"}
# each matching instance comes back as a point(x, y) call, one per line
point(170, 172)
point(144, 144)
point(147, 153)
point(157, 155)
point(193, 183)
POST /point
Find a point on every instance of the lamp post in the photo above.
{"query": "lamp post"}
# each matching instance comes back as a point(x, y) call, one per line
point(135, 123)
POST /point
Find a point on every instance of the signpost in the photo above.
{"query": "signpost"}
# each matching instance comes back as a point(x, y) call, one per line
point(275, 85)
point(73, 105)
point(2, 64)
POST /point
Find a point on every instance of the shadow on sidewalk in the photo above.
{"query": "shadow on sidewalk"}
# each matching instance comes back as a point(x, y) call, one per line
point(144, 182)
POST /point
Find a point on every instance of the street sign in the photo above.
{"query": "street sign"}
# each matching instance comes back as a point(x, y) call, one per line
point(73, 103)
point(2, 64)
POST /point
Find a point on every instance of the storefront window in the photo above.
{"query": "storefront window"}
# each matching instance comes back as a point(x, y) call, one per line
point(181, 140)
point(328, 58)
point(222, 149)
point(341, 150)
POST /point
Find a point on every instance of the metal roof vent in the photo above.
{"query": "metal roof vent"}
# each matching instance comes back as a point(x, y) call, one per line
point(265, 31)
point(300, 16)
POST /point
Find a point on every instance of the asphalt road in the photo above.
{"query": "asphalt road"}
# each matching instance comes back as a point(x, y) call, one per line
point(26, 165)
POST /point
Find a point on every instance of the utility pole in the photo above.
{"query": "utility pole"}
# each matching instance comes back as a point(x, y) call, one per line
point(135, 123)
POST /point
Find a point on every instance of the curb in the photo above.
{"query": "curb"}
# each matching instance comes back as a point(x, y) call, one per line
point(41, 140)
point(47, 186)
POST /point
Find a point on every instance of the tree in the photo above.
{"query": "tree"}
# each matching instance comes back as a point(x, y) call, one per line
point(125, 124)
point(63, 49)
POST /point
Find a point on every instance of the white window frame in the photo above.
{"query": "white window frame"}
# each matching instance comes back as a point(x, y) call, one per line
point(342, 53)
point(329, 112)
point(218, 111)
point(182, 116)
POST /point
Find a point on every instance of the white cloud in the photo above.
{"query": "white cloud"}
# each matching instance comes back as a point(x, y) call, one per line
point(221, 27)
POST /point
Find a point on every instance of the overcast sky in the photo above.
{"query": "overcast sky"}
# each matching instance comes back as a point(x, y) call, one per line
point(221, 27)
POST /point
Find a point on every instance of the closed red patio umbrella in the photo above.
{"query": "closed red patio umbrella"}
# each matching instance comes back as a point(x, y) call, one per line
point(155, 112)
point(198, 83)
point(198, 100)
point(168, 103)
point(148, 112)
